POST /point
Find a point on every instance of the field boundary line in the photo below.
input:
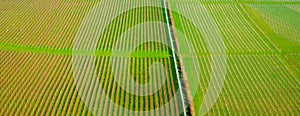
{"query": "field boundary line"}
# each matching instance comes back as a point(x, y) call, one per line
point(174, 56)
point(184, 74)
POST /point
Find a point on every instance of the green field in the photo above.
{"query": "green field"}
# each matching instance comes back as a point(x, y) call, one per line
point(262, 50)
point(262, 72)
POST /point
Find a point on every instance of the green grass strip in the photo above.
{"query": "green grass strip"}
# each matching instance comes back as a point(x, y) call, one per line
point(20, 48)
point(70, 52)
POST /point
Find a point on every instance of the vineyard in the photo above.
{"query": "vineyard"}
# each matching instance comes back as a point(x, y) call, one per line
point(168, 57)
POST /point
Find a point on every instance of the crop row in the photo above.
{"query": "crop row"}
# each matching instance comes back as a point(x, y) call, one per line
point(282, 19)
point(131, 22)
point(258, 84)
point(238, 34)
point(46, 86)
point(138, 69)
point(39, 84)
point(42, 24)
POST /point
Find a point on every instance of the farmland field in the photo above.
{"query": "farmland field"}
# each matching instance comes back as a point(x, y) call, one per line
point(169, 57)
